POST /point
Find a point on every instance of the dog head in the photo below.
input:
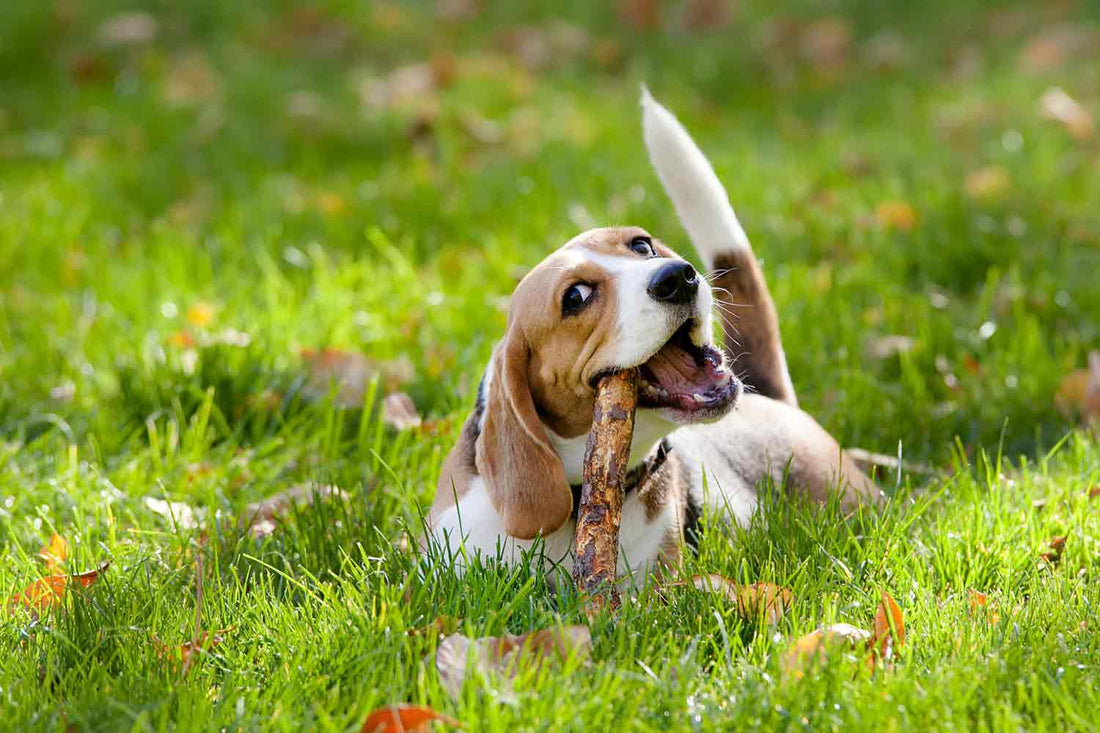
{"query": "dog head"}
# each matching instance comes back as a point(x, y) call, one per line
point(607, 300)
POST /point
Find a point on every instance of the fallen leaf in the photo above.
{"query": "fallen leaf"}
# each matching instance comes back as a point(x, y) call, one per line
point(399, 411)
point(825, 43)
point(332, 204)
point(179, 514)
point(1053, 556)
point(704, 15)
point(127, 29)
point(1094, 492)
point(889, 631)
point(190, 80)
point(55, 552)
point(891, 345)
point(979, 603)
point(200, 314)
point(1056, 104)
point(710, 583)
point(181, 340)
point(813, 647)
point(46, 593)
point(989, 182)
point(764, 599)
point(641, 15)
point(502, 655)
point(1078, 393)
point(457, 9)
point(404, 718)
point(896, 215)
point(351, 373)
point(1051, 47)
point(260, 517)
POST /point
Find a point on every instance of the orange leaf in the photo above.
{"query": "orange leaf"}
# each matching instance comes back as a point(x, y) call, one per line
point(402, 718)
point(1054, 555)
point(812, 647)
point(767, 599)
point(200, 314)
point(46, 593)
point(979, 602)
point(764, 599)
point(55, 552)
point(896, 215)
point(889, 631)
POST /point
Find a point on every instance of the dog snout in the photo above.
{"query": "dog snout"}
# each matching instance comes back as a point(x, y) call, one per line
point(676, 282)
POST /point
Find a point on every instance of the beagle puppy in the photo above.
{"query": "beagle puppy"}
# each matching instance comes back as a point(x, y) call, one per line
point(710, 424)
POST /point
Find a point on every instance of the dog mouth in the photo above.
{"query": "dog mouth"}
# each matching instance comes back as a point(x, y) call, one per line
point(687, 378)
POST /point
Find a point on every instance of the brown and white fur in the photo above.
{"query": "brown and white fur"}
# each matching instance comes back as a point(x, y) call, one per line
point(505, 487)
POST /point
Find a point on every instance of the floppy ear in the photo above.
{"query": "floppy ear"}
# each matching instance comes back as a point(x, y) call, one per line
point(523, 473)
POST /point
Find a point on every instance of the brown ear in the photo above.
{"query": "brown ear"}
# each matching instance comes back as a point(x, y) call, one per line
point(523, 473)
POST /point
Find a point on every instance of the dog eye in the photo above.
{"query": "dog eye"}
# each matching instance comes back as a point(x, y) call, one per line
point(642, 246)
point(575, 298)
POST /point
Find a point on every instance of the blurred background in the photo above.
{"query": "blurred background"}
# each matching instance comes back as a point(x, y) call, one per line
point(246, 202)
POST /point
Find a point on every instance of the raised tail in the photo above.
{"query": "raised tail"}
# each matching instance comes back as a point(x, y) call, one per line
point(748, 314)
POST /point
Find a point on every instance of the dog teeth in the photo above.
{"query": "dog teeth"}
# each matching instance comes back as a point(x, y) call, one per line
point(698, 397)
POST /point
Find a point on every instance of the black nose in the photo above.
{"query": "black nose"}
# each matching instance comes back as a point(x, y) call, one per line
point(676, 282)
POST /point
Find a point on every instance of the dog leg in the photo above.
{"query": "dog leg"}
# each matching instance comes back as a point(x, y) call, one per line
point(749, 320)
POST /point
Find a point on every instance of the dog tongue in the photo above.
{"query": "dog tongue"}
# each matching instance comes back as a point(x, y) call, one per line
point(676, 370)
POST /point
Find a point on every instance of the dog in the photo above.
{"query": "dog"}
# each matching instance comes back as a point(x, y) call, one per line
point(711, 424)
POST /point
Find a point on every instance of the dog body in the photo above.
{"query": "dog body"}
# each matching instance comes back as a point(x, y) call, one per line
point(615, 298)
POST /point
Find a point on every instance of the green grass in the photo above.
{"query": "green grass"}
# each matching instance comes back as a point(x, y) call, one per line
point(309, 221)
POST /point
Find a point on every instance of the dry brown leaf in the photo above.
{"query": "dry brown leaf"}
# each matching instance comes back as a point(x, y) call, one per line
point(889, 633)
point(825, 43)
point(46, 593)
point(502, 655)
point(260, 517)
point(705, 15)
point(457, 9)
point(754, 600)
point(1079, 392)
point(1057, 546)
point(813, 647)
point(191, 80)
point(710, 583)
point(990, 182)
point(403, 718)
point(1056, 104)
point(1051, 47)
point(642, 15)
point(178, 513)
point(127, 29)
point(891, 345)
point(351, 372)
point(399, 411)
point(764, 599)
point(55, 552)
point(896, 215)
point(979, 603)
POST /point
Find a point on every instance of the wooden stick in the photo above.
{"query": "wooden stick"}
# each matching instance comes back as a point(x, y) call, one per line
point(601, 505)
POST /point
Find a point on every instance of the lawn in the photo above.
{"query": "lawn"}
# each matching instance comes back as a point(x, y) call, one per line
point(210, 208)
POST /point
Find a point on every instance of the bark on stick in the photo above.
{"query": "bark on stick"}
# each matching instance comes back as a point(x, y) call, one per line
point(601, 505)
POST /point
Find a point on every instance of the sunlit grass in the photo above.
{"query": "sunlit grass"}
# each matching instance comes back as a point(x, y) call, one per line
point(181, 219)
